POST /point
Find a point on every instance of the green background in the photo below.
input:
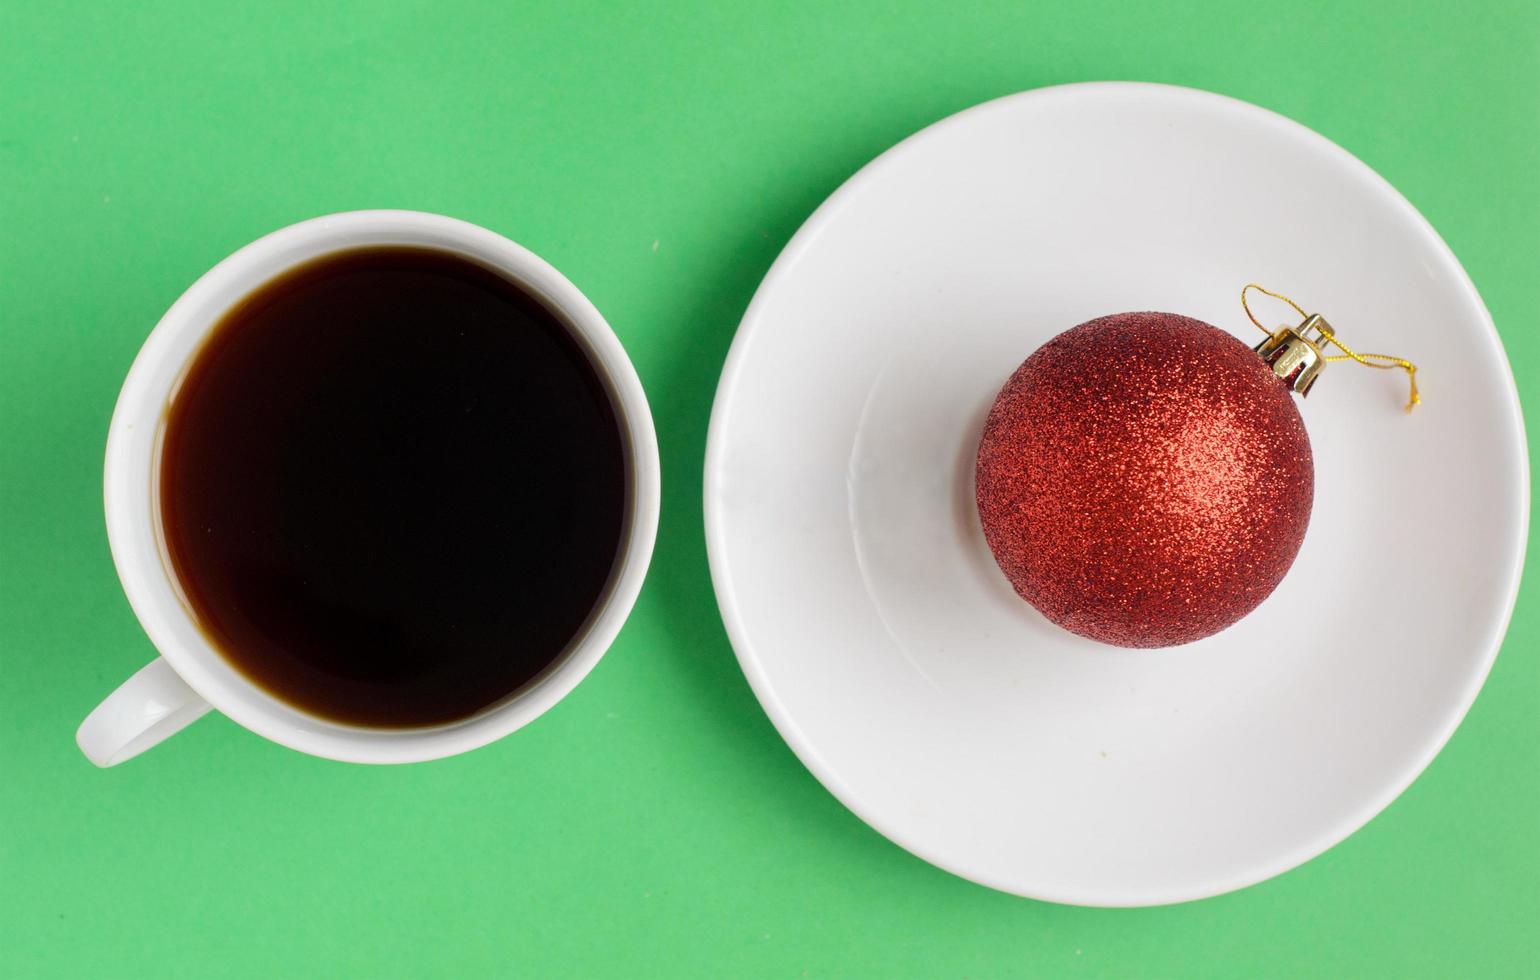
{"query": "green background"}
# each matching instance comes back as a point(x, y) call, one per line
point(653, 824)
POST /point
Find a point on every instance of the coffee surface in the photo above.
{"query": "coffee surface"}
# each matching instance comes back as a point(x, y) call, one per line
point(393, 487)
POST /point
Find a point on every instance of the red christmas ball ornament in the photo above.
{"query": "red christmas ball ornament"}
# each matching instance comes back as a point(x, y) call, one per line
point(1145, 479)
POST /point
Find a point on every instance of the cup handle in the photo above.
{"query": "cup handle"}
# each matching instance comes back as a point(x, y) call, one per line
point(146, 709)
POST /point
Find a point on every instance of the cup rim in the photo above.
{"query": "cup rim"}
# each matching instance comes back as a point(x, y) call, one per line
point(129, 494)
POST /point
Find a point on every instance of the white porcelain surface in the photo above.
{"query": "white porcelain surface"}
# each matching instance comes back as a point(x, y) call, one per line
point(865, 607)
point(151, 705)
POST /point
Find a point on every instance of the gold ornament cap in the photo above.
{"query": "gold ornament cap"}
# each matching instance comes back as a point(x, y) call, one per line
point(1294, 353)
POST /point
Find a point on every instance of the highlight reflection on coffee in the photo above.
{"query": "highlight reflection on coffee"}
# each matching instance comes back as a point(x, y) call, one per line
point(393, 487)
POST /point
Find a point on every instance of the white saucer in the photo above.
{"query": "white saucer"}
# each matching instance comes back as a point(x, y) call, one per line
point(866, 609)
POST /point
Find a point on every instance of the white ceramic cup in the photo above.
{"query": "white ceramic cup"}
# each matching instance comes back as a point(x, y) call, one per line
point(190, 677)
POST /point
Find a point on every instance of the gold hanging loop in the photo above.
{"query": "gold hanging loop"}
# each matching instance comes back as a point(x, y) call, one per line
point(1294, 353)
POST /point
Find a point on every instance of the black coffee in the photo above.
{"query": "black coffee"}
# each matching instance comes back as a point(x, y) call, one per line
point(393, 487)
